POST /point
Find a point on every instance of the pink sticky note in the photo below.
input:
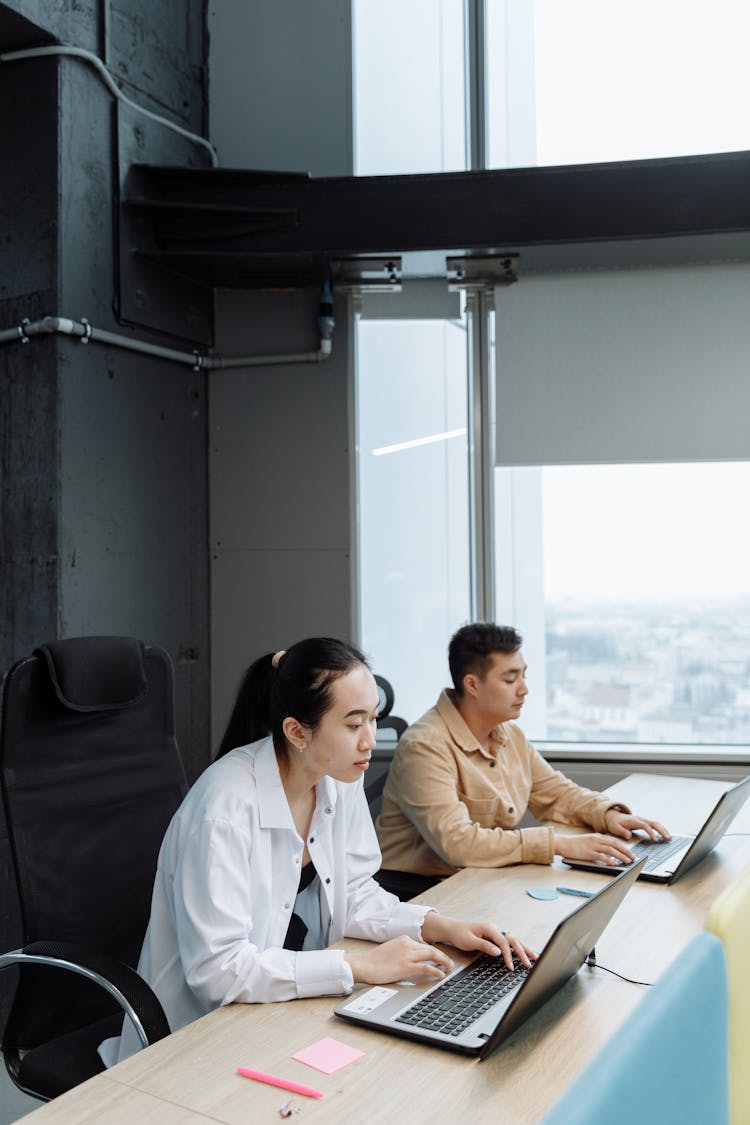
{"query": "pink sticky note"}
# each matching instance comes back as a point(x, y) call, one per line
point(328, 1055)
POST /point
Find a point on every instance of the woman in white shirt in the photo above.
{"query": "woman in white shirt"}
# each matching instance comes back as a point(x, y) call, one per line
point(269, 859)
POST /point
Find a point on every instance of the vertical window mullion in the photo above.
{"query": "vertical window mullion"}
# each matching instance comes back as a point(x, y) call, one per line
point(479, 306)
point(481, 456)
point(476, 95)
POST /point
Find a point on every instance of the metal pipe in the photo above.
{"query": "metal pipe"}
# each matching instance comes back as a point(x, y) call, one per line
point(197, 360)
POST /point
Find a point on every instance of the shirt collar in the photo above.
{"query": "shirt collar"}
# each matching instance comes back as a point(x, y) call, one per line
point(460, 732)
point(273, 807)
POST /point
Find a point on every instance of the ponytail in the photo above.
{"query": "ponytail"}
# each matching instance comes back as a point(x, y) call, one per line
point(250, 717)
point(296, 683)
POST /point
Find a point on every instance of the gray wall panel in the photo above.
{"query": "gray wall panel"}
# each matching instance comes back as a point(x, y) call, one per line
point(280, 85)
point(279, 466)
point(280, 458)
point(266, 600)
point(281, 493)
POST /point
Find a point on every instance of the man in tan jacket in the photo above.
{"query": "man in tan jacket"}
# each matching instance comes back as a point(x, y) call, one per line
point(464, 774)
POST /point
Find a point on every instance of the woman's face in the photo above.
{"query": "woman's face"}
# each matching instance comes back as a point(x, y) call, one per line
point(341, 744)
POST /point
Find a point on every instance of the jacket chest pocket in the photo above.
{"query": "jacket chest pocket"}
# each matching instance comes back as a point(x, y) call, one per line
point(481, 810)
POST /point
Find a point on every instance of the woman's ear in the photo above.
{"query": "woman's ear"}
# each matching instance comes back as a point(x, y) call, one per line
point(297, 735)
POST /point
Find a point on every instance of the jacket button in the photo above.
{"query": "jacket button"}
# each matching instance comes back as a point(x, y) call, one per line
point(312, 839)
point(492, 764)
point(328, 880)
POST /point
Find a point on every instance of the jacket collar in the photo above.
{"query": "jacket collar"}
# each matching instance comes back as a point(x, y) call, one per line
point(460, 732)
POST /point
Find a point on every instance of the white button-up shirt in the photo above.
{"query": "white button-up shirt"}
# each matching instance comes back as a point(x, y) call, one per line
point(225, 886)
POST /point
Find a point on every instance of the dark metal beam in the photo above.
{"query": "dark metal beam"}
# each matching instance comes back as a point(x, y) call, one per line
point(229, 227)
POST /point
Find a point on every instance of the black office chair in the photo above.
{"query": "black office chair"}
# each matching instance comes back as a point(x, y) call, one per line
point(387, 721)
point(90, 775)
point(382, 754)
point(401, 883)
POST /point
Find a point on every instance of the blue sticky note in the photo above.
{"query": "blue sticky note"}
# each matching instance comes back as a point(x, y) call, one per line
point(542, 892)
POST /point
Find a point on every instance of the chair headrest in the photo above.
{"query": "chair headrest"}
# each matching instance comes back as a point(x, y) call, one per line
point(385, 696)
point(96, 673)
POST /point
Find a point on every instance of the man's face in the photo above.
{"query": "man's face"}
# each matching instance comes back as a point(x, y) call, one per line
point(500, 695)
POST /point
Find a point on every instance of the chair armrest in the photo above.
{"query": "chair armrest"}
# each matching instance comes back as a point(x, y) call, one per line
point(132, 993)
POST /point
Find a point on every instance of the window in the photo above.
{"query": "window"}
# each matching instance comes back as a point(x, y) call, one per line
point(637, 621)
point(627, 578)
point(412, 372)
point(409, 86)
point(583, 81)
point(413, 511)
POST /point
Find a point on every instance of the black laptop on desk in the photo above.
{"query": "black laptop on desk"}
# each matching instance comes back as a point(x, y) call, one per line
point(481, 1002)
point(667, 860)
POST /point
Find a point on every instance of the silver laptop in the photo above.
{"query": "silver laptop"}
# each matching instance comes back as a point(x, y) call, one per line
point(666, 860)
point(481, 1002)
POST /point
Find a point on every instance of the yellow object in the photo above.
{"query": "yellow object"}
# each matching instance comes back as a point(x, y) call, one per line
point(729, 919)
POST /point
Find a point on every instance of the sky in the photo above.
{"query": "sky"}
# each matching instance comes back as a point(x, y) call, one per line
point(670, 77)
point(646, 531)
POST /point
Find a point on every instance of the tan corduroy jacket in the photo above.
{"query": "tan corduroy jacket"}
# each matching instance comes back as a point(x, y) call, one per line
point(448, 803)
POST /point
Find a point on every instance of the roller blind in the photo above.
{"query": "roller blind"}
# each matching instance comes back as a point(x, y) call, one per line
point(641, 365)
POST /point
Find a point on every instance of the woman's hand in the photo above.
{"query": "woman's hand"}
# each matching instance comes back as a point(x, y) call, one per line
point(482, 936)
point(396, 959)
point(593, 847)
point(620, 823)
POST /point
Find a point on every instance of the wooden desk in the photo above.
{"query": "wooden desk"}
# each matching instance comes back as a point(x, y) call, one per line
point(190, 1076)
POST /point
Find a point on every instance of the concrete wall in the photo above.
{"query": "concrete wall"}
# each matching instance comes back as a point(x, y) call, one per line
point(104, 451)
point(104, 522)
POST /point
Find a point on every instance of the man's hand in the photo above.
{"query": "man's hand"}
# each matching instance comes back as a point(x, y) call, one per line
point(593, 847)
point(622, 824)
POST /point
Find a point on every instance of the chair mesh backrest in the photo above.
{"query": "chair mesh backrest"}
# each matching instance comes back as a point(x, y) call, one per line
point(91, 776)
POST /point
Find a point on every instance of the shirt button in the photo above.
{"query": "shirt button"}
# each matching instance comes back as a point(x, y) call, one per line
point(296, 859)
point(328, 880)
point(329, 810)
point(312, 839)
point(286, 905)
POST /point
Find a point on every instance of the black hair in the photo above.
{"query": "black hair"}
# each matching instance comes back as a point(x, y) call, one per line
point(472, 646)
point(301, 686)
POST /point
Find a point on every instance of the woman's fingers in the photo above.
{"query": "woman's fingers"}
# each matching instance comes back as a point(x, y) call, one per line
point(433, 960)
point(522, 951)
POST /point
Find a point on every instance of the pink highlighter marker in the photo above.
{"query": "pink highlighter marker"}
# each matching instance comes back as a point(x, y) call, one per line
point(283, 1083)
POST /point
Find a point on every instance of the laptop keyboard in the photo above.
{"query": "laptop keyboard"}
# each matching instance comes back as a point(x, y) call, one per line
point(458, 1002)
point(657, 851)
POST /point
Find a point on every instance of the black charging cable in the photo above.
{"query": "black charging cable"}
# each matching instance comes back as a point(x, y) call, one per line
point(592, 963)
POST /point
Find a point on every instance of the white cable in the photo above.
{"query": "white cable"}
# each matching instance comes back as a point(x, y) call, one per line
point(114, 89)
